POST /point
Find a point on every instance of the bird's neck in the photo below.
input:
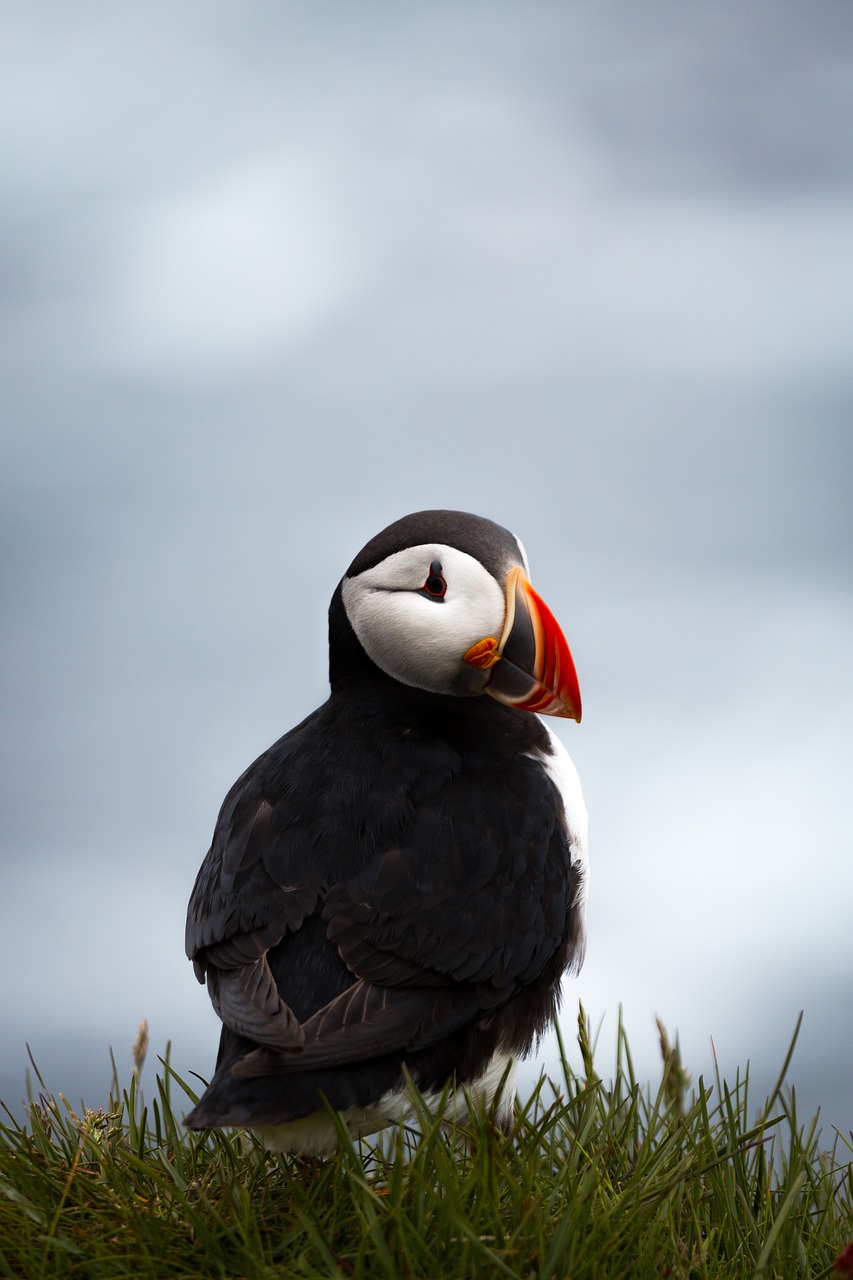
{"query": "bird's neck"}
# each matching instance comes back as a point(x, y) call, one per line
point(359, 683)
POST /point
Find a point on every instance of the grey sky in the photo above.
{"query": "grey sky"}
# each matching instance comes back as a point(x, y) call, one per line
point(272, 276)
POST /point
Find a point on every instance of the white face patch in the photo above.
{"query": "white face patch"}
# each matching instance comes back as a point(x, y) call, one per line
point(418, 640)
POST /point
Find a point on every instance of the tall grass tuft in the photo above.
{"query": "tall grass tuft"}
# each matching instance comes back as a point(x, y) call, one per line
point(596, 1179)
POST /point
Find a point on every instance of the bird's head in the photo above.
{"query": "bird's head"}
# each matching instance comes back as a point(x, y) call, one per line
point(440, 601)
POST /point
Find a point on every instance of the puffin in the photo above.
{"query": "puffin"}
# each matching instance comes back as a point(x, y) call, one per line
point(397, 886)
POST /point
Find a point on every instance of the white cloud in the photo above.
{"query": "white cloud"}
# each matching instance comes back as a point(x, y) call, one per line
point(231, 272)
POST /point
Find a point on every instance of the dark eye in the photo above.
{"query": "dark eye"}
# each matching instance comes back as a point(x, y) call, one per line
point(435, 586)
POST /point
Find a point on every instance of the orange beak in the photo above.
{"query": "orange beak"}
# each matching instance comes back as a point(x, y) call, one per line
point(531, 665)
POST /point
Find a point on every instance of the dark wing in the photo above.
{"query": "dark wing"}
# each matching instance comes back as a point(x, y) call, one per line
point(448, 927)
point(259, 880)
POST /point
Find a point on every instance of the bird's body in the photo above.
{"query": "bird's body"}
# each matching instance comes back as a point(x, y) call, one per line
point(397, 885)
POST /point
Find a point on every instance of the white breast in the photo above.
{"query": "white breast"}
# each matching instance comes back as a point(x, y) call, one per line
point(561, 770)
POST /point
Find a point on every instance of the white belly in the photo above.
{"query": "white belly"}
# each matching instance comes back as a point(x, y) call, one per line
point(315, 1134)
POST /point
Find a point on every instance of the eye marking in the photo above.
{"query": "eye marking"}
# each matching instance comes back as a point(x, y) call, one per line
point(435, 586)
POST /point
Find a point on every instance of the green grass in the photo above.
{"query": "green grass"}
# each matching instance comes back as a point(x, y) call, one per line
point(597, 1179)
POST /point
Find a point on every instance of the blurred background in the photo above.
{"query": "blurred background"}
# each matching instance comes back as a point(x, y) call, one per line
point(274, 274)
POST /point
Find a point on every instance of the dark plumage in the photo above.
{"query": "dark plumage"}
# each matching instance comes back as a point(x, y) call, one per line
point(396, 883)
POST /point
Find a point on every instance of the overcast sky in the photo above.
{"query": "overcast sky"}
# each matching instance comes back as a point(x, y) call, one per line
point(276, 274)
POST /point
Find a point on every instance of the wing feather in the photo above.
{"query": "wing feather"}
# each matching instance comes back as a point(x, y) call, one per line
point(259, 881)
point(460, 896)
point(477, 897)
point(367, 1021)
